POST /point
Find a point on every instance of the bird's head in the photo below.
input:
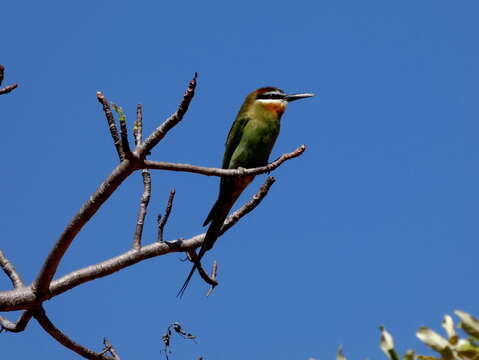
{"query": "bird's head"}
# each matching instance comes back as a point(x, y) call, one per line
point(273, 100)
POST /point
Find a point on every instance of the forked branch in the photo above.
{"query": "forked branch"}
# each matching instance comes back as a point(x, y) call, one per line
point(122, 171)
point(30, 298)
point(211, 280)
point(132, 257)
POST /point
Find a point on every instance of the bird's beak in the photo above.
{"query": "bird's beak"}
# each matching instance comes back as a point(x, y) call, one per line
point(294, 97)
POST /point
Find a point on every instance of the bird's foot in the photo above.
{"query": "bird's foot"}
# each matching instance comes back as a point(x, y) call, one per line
point(241, 170)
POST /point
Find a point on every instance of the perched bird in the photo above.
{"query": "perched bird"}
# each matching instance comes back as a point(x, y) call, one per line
point(249, 144)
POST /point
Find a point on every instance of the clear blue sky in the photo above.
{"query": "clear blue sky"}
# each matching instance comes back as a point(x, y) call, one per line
point(375, 224)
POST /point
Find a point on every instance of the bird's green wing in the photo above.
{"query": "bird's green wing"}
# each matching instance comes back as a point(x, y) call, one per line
point(233, 139)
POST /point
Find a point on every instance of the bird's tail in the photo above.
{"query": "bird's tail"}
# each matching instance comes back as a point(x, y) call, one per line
point(187, 281)
point(219, 215)
point(229, 193)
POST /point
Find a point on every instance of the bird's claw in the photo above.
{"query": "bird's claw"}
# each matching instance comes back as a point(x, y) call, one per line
point(241, 170)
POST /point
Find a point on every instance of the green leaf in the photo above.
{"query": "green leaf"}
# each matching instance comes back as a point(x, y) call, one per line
point(119, 111)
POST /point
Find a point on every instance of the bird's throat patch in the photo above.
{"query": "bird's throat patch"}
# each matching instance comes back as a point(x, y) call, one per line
point(277, 107)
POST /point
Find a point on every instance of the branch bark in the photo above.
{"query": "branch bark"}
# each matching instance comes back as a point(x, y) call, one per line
point(160, 165)
point(10, 271)
point(145, 200)
point(111, 124)
point(211, 280)
point(49, 268)
point(63, 339)
point(163, 220)
point(20, 325)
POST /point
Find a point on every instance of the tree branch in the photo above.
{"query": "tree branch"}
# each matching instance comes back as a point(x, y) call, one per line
point(40, 287)
point(145, 199)
point(159, 165)
point(163, 220)
point(138, 128)
point(63, 339)
point(10, 270)
point(49, 268)
point(2, 73)
point(111, 124)
point(132, 257)
point(214, 273)
point(109, 348)
point(122, 171)
point(24, 297)
point(211, 280)
point(123, 130)
point(249, 206)
point(169, 123)
point(8, 88)
point(20, 325)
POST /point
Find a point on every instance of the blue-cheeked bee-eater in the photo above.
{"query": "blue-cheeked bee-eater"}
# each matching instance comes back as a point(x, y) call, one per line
point(249, 144)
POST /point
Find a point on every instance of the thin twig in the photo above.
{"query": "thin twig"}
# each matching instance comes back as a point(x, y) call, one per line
point(19, 326)
point(249, 206)
point(2, 73)
point(111, 124)
point(138, 128)
point(63, 339)
point(214, 273)
point(109, 348)
point(159, 165)
point(204, 275)
point(162, 220)
point(123, 130)
point(145, 199)
point(169, 123)
point(8, 89)
point(10, 270)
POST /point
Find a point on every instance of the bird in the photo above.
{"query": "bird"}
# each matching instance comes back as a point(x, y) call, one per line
point(248, 145)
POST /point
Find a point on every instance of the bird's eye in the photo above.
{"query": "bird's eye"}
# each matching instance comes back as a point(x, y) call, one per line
point(270, 95)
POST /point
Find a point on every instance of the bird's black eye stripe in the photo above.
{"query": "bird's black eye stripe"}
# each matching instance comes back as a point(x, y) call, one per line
point(270, 95)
